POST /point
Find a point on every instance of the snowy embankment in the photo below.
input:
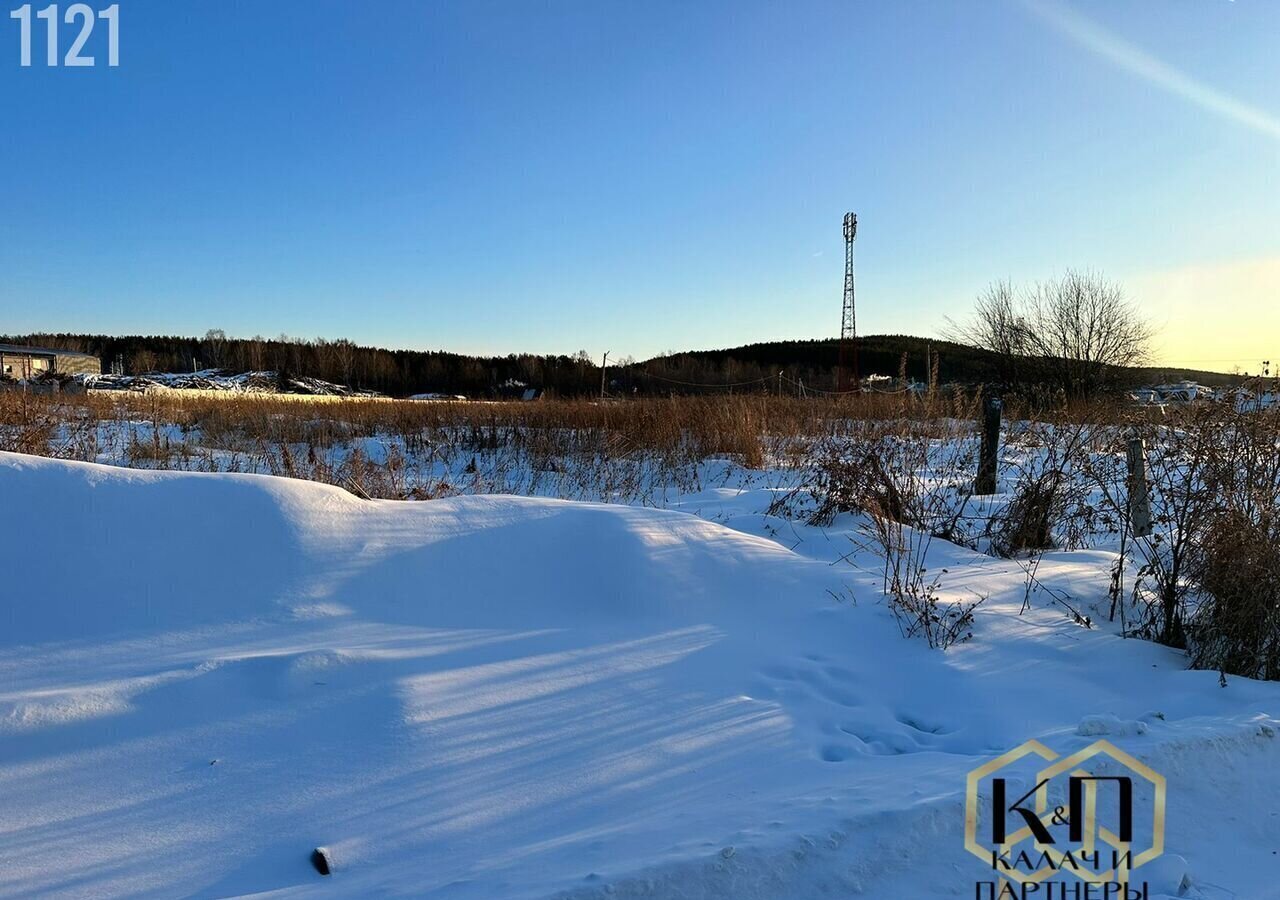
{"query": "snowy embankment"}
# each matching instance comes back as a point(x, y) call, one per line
point(203, 677)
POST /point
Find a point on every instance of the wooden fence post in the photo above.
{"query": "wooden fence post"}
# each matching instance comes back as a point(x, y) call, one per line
point(989, 454)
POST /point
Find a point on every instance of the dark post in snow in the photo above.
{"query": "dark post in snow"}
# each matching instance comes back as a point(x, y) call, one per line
point(1139, 497)
point(990, 450)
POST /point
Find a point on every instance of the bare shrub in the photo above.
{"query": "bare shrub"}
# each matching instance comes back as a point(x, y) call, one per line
point(1047, 493)
point(1206, 578)
point(1179, 456)
point(27, 423)
point(1236, 625)
point(912, 590)
point(910, 483)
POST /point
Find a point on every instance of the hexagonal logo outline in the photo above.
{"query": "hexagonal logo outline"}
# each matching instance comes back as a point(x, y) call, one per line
point(1091, 832)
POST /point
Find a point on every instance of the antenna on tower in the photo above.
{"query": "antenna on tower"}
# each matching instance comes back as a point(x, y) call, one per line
point(847, 377)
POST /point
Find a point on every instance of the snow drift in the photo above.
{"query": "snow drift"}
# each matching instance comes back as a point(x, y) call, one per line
point(204, 677)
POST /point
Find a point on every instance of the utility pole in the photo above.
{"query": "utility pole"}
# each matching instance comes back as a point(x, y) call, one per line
point(604, 367)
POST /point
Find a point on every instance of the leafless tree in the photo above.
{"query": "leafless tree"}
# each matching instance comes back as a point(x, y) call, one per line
point(257, 352)
point(143, 361)
point(998, 325)
point(345, 352)
point(1071, 333)
point(1083, 327)
point(215, 344)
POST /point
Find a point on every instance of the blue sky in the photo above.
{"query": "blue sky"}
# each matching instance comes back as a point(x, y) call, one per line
point(639, 177)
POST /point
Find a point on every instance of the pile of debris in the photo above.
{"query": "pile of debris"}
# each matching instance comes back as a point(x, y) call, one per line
point(445, 398)
point(219, 380)
point(1254, 395)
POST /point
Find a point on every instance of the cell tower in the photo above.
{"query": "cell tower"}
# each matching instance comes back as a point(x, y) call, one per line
point(847, 378)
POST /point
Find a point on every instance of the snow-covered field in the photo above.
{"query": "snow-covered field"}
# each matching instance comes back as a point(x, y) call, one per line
point(205, 676)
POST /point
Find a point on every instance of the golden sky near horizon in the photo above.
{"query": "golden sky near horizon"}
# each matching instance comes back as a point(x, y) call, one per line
point(1216, 316)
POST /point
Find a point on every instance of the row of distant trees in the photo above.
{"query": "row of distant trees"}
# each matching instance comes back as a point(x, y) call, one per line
point(393, 372)
point(805, 366)
point(1074, 336)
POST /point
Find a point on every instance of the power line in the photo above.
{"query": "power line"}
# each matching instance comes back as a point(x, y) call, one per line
point(841, 393)
point(764, 381)
point(705, 384)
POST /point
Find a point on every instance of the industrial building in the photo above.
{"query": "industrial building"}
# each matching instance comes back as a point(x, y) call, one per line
point(26, 363)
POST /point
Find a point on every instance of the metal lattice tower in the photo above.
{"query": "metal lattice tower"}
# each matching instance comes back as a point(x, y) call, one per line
point(847, 378)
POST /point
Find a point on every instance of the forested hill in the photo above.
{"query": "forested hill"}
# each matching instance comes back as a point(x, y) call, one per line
point(814, 363)
point(404, 372)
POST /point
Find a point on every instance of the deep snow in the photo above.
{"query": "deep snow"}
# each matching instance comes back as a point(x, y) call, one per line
point(203, 677)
